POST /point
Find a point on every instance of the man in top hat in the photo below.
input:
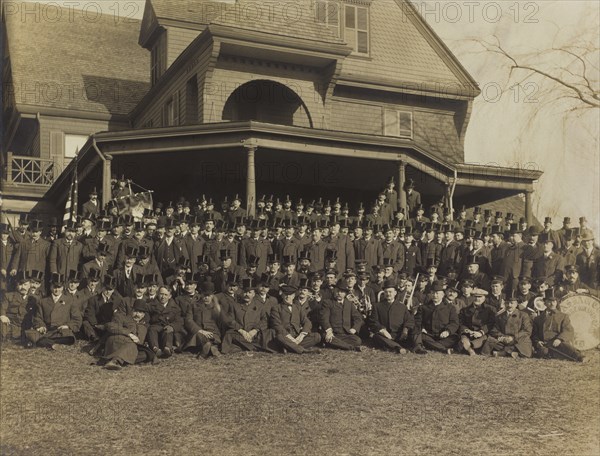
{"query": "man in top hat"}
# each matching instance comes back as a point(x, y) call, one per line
point(391, 195)
point(413, 197)
point(34, 250)
point(512, 264)
point(588, 261)
point(169, 250)
point(56, 319)
point(391, 323)
point(192, 240)
point(511, 333)
point(412, 253)
point(66, 253)
point(221, 274)
point(146, 261)
point(246, 323)
point(92, 285)
point(551, 234)
point(498, 250)
point(203, 323)
point(476, 321)
point(391, 249)
point(137, 240)
point(126, 274)
point(100, 262)
point(474, 273)
point(291, 326)
point(430, 250)
point(570, 250)
point(91, 207)
point(316, 249)
point(90, 245)
point(288, 244)
point(100, 309)
point(10, 252)
point(16, 310)
point(341, 244)
point(53, 233)
point(122, 189)
point(553, 333)
point(21, 233)
point(165, 322)
point(290, 275)
point(341, 321)
point(257, 247)
point(450, 252)
point(437, 323)
point(367, 248)
point(235, 210)
point(548, 264)
point(73, 280)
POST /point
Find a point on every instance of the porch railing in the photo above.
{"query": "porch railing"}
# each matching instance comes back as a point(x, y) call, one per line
point(30, 171)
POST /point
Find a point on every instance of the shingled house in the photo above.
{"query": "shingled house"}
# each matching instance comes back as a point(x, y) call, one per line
point(309, 98)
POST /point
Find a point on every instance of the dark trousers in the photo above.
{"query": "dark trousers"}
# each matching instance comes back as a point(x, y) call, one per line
point(345, 341)
point(309, 341)
point(439, 344)
point(391, 344)
point(563, 351)
point(234, 342)
point(158, 337)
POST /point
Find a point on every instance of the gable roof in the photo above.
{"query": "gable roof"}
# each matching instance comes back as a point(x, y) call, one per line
point(294, 19)
point(405, 51)
point(76, 63)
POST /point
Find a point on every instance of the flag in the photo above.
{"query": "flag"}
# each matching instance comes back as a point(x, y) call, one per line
point(71, 206)
point(135, 204)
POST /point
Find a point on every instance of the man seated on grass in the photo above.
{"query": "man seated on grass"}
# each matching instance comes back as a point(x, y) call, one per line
point(341, 321)
point(553, 332)
point(16, 310)
point(56, 319)
point(391, 323)
point(99, 312)
point(246, 323)
point(125, 338)
point(437, 322)
point(291, 324)
point(511, 334)
point(165, 320)
point(476, 321)
point(202, 322)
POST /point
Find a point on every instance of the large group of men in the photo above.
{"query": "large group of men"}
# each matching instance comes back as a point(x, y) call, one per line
point(294, 278)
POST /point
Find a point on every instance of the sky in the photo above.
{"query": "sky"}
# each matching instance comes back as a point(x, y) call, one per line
point(526, 125)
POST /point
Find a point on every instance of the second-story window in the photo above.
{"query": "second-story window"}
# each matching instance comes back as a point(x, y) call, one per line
point(158, 58)
point(171, 111)
point(328, 13)
point(356, 28)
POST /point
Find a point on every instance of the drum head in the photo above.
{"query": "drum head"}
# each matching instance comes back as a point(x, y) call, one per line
point(584, 313)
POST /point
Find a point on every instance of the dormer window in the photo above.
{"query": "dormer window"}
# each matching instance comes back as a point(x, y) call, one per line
point(158, 58)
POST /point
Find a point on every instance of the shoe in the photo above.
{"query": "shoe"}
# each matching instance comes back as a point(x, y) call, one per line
point(420, 351)
point(400, 350)
point(168, 352)
point(514, 355)
point(215, 351)
point(313, 351)
point(113, 365)
point(584, 359)
point(157, 351)
point(495, 354)
point(450, 351)
point(28, 344)
point(361, 348)
point(470, 351)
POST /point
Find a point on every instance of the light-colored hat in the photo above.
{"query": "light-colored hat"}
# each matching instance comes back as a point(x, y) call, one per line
point(479, 292)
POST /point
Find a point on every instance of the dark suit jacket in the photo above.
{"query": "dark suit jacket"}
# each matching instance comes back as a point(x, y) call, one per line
point(51, 315)
point(247, 317)
point(437, 319)
point(550, 327)
point(293, 322)
point(392, 317)
point(340, 318)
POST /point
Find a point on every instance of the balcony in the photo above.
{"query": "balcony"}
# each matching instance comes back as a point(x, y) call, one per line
point(28, 176)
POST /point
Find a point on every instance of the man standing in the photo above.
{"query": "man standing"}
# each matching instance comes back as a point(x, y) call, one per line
point(588, 261)
point(10, 252)
point(66, 253)
point(91, 208)
point(34, 250)
point(413, 197)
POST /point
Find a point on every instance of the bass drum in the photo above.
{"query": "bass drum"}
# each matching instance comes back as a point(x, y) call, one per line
point(584, 313)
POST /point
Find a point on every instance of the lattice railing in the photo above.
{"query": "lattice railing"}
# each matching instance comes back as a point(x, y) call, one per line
point(30, 170)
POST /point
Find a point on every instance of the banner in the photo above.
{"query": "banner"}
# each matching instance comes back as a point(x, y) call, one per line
point(134, 204)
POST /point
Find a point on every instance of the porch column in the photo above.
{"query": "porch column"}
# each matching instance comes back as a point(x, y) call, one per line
point(250, 147)
point(401, 182)
point(528, 207)
point(106, 177)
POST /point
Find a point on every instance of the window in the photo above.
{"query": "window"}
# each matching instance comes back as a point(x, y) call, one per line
point(356, 28)
point(397, 123)
point(73, 144)
point(191, 101)
point(171, 111)
point(158, 58)
point(328, 13)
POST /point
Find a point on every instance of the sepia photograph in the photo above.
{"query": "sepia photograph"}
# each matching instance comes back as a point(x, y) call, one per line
point(300, 227)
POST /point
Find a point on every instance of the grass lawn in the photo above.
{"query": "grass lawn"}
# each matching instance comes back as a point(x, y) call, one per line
point(338, 403)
